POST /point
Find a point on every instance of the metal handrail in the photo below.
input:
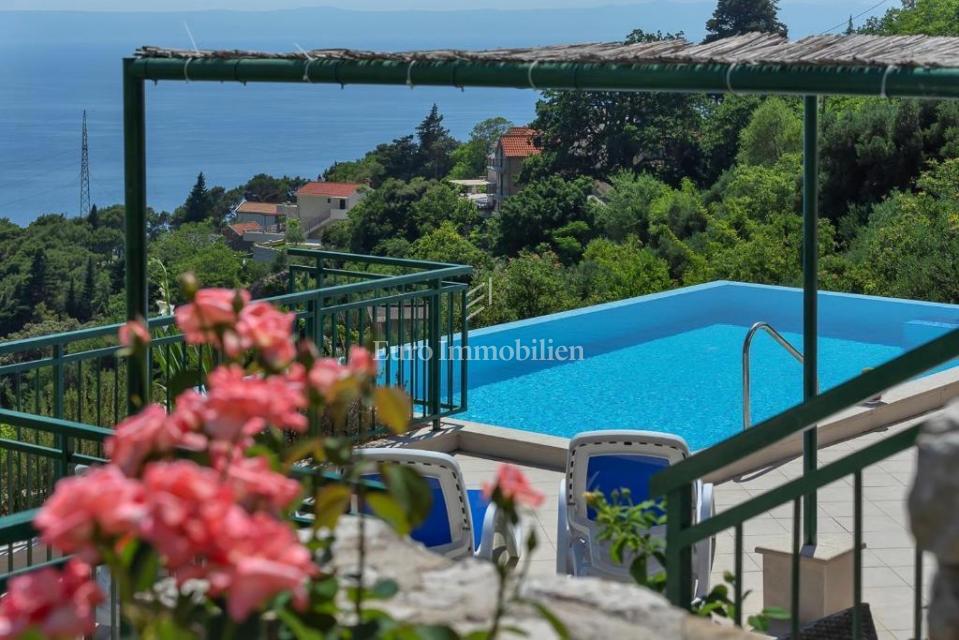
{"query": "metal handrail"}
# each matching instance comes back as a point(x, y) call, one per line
point(747, 343)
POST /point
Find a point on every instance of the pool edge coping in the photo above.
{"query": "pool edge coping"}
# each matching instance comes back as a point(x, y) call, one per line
point(903, 402)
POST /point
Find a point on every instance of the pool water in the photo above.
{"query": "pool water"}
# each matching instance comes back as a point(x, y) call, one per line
point(678, 384)
point(672, 361)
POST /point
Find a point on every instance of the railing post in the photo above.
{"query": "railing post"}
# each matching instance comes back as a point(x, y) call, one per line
point(61, 442)
point(464, 351)
point(435, 355)
point(810, 295)
point(135, 253)
point(679, 560)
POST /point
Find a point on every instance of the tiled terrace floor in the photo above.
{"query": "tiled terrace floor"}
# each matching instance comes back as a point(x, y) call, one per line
point(888, 560)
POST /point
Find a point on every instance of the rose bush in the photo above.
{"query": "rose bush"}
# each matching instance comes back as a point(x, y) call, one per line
point(194, 514)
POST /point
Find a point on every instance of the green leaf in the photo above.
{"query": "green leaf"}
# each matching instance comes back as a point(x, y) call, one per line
point(297, 627)
point(393, 408)
point(558, 627)
point(410, 491)
point(638, 570)
point(776, 613)
point(434, 632)
point(387, 508)
point(383, 590)
point(330, 502)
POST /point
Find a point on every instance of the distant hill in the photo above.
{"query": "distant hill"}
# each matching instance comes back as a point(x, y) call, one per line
point(328, 27)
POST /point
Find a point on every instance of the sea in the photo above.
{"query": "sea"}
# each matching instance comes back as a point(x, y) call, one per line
point(56, 65)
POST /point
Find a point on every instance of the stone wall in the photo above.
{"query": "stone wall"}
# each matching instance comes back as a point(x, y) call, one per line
point(462, 594)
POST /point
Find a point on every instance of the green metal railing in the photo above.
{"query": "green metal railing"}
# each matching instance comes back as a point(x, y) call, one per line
point(400, 307)
point(676, 482)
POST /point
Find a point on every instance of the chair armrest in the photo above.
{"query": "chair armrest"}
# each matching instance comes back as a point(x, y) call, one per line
point(562, 533)
point(495, 524)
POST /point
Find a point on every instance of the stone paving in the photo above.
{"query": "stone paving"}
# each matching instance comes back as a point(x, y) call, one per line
point(888, 560)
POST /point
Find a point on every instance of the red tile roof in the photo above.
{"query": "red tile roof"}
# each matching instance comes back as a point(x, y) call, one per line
point(261, 208)
point(239, 228)
point(518, 142)
point(329, 189)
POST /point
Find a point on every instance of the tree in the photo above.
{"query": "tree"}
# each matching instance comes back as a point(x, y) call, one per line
point(528, 285)
point(386, 213)
point(724, 121)
point(734, 17)
point(613, 271)
point(435, 145)
point(915, 17)
point(86, 305)
point(774, 130)
point(625, 211)
point(534, 215)
point(93, 218)
point(596, 133)
point(470, 159)
point(197, 205)
point(445, 244)
point(909, 248)
point(294, 233)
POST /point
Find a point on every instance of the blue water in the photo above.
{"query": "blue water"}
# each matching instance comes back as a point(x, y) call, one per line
point(689, 384)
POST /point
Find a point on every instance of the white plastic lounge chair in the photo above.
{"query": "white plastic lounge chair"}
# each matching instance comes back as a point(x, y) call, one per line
point(608, 460)
point(461, 522)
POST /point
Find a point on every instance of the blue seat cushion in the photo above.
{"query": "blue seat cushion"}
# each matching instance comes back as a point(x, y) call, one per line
point(608, 472)
point(434, 531)
point(478, 507)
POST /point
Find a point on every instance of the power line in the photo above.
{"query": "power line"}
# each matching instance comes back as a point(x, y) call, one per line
point(858, 15)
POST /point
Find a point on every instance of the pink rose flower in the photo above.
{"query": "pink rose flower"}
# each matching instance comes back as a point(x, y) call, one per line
point(137, 438)
point(212, 312)
point(266, 559)
point(269, 331)
point(102, 506)
point(257, 486)
point(133, 334)
point(54, 604)
point(324, 374)
point(239, 406)
point(513, 486)
point(362, 362)
point(186, 507)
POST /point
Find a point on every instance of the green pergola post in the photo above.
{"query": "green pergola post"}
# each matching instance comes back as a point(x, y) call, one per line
point(810, 297)
point(135, 255)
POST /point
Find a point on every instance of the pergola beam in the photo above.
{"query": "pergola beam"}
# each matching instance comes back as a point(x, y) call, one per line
point(783, 79)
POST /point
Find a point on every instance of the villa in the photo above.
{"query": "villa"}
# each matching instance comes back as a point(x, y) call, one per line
point(766, 437)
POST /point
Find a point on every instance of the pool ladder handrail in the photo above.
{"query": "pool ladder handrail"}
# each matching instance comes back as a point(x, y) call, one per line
point(747, 343)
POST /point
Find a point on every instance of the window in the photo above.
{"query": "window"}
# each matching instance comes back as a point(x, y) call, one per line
point(342, 203)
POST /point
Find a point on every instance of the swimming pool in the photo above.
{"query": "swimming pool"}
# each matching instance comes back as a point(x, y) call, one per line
point(672, 361)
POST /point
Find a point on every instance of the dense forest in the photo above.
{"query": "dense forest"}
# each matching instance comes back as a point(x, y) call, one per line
point(633, 193)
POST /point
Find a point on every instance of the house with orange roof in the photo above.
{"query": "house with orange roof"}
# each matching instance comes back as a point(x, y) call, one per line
point(506, 161)
point(320, 203)
point(268, 215)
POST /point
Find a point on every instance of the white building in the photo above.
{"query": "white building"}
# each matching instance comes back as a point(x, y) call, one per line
point(320, 203)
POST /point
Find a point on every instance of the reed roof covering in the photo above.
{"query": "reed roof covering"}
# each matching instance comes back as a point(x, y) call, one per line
point(746, 49)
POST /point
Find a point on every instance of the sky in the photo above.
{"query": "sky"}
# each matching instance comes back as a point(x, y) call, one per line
point(366, 5)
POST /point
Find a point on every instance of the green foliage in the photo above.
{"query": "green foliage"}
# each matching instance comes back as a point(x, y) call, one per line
point(722, 126)
point(445, 244)
point(294, 232)
point(908, 249)
point(774, 130)
point(528, 285)
point(535, 215)
point(435, 145)
point(625, 211)
point(926, 17)
point(197, 248)
point(733, 17)
point(470, 159)
point(870, 147)
point(400, 212)
point(611, 271)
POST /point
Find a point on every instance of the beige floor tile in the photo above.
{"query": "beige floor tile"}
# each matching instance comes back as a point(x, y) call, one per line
point(881, 577)
point(870, 524)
